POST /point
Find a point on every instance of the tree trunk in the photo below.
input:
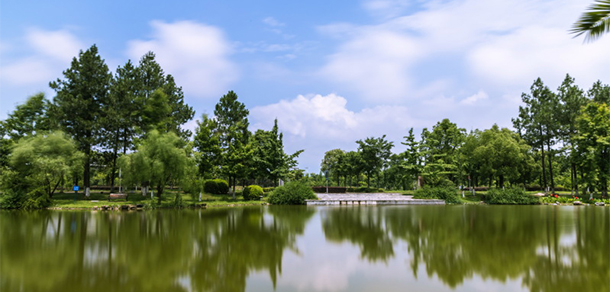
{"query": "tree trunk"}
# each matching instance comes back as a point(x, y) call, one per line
point(159, 192)
point(574, 178)
point(87, 170)
point(115, 149)
point(550, 153)
point(543, 169)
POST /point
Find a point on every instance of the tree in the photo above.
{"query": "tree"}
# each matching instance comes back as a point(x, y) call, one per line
point(44, 161)
point(160, 159)
point(439, 151)
point(571, 99)
point(412, 160)
point(120, 114)
point(77, 104)
point(537, 124)
point(269, 156)
point(28, 119)
point(374, 152)
point(331, 163)
point(594, 22)
point(593, 143)
point(232, 130)
point(207, 143)
point(162, 99)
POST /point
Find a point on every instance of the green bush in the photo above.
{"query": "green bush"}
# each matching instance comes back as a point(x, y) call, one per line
point(178, 203)
point(293, 193)
point(216, 186)
point(252, 192)
point(448, 194)
point(513, 196)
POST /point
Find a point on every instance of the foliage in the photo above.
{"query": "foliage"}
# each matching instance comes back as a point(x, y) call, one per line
point(374, 153)
point(43, 162)
point(160, 159)
point(594, 22)
point(593, 144)
point(77, 105)
point(252, 192)
point(448, 194)
point(216, 186)
point(293, 193)
point(271, 162)
point(510, 196)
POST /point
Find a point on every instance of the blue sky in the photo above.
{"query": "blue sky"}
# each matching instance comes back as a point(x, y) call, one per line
point(332, 72)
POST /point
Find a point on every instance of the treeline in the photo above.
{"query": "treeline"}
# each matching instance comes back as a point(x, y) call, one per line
point(562, 140)
point(100, 125)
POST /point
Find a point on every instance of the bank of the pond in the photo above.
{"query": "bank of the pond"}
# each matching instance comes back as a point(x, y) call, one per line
point(99, 200)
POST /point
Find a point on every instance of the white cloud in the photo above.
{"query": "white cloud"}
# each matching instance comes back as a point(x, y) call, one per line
point(46, 54)
point(376, 64)
point(549, 53)
point(497, 46)
point(481, 95)
point(60, 45)
point(272, 22)
point(320, 123)
point(197, 55)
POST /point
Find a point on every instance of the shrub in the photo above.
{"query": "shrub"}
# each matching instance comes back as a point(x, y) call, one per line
point(444, 193)
point(293, 193)
point(512, 196)
point(252, 192)
point(365, 190)
point(216, 186)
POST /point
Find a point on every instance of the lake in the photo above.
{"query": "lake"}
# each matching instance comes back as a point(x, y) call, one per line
point(355, 248)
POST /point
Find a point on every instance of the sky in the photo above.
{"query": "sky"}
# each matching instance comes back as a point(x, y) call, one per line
point(331, 72)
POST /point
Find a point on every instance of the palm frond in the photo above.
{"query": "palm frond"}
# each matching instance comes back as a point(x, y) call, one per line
point(594, 22)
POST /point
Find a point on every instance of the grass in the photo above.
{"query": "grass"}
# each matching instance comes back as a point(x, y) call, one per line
point(97, 198)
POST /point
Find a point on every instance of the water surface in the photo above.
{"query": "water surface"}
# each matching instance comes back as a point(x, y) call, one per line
point(368, 248)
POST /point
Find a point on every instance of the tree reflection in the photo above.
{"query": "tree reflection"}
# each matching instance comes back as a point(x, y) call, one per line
point(457, 243)
point(210, 250)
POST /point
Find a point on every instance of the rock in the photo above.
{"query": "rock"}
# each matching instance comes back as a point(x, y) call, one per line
point(600, 204)
point(577, 203)
point(124, 207)
point(539, 195)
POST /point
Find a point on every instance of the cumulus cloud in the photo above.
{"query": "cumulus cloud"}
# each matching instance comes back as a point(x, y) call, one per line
point(47, 54)
point(498, 46)
point(375, 64)
point(270, 21)
point(60, 45)
point(318, 123)
point(196, 54)
point(481, 95)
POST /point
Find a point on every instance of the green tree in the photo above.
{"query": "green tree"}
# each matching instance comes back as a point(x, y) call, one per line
point(594, 22)
point(571, 99)
point(207, 144)
point(439, 150)
point(162, 99)
point(232, 130)
point(538, 124)
point(77, 105)
point(271, 161)
point(120, 114)
point(332, 163)
point(374, 152)
point(160, 159)
point(593, 143)
point(44, 161)
point(28, 119)
point(412, 158)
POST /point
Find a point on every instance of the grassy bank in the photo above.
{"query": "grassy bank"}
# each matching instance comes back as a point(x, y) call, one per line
point(67, 201)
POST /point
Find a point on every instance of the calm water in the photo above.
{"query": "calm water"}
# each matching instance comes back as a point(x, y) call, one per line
point(406, 248)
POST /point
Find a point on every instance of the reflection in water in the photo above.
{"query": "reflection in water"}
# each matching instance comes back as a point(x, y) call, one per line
point(499, 243)
point(537, 248)
point(211, 250)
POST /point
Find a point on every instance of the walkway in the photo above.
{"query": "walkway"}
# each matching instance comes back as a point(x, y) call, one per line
point(370, 199)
